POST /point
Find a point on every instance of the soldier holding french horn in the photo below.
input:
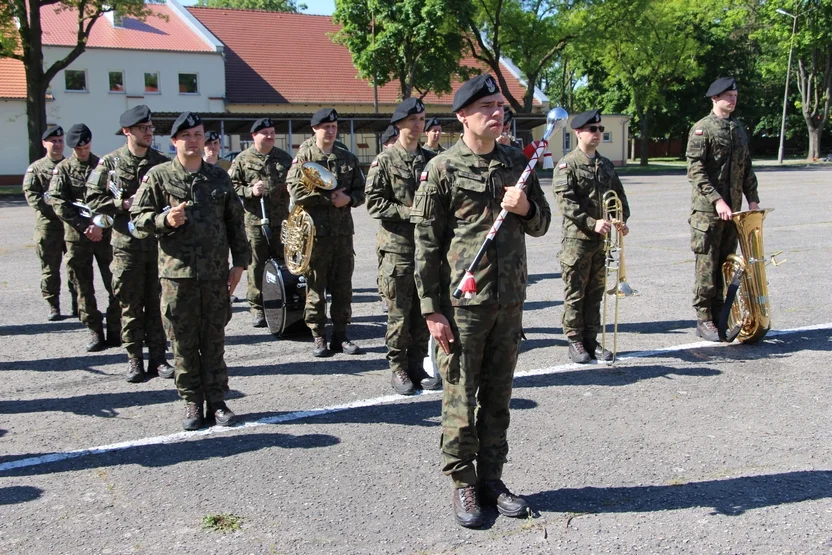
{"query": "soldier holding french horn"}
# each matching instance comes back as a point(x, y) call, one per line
point(112, 188)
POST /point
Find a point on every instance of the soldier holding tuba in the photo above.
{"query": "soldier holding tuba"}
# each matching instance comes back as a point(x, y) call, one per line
point(581, 179)
point(719, 170)
point(332, 258)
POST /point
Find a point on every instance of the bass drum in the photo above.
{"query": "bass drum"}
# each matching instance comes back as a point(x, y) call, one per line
point(284, 296)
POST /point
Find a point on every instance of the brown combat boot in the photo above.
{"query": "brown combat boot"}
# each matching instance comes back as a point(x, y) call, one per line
point(707, 330)
point(320, 350)
point(135, 370)
point(54, 313)
point(221, 413)
point(97, 342)
point(401, 382)
point(495, 492)
point(193, 417)
point(158, 366)
point(340, 344)
point(577, 352)
point(467, 509)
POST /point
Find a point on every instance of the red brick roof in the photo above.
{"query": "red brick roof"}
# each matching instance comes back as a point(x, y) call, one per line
point(60, 28)
point(300, 64)
point(12, 79)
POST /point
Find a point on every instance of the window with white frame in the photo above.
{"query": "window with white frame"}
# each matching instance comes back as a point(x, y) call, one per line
point(607, 137)
point(188, 83)
point(75, 80)
point(116, 81)
point(567, 141)
point(151, 83)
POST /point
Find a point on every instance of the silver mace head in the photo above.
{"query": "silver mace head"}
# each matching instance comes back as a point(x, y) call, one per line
point(555, 119)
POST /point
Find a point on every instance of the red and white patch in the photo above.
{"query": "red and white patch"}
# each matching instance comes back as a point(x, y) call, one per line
point(29, 169)
point(424, 176)
point(562, 166)
point(101, 162)
point(144, 179)
point(55, 171)
point(295, 161)
point(374, 164)
point(698, 132)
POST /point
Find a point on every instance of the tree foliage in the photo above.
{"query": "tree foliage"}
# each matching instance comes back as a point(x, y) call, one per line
point(267, 5)
point(418, 43)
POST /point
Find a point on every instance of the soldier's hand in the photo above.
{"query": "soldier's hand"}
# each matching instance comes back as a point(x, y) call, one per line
point(602, 227)
point(339, 198)
point(440, 330)
point(234, 276)
point(622, 228)
point(258, 189)
point(176, 215)
point(127, 203)
point(723, 210)
point(753, 206)
point(503, 139)
point(93, 233)
point(516, 201)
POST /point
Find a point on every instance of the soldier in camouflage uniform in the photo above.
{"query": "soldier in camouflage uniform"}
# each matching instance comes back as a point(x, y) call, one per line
point(203, 222)
point(83, 239)
point(333, 259)
point(478, 338)
point(581, 179)
point(49, 229)
point(391, 184)
point(211, 152)
point(259, 172)
point(719, 169)
point(135, 264)
point(433, 130)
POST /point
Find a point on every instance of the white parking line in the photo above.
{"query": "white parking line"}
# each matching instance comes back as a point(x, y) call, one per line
point(376, 401)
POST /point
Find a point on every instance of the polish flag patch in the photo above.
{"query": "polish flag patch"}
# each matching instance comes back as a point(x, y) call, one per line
point(562, 166)
point(295, 161)
point(374, 163)
point(698, 132)
point(29, 169)
point(424, 176)
point(100, 161)
point(144, 179)
point(55, 171)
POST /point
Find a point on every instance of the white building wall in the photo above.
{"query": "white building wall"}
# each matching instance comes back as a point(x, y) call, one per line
point(14, 148)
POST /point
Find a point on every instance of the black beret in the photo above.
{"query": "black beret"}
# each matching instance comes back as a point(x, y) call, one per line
point(260, 124)
point(585, 118)
point(721, 85)
point(391, 132)
point(324, 115)
point(508, 115)
point(407, 108)
point(212, 136)
point(78, 135)
point(56, 131)
point(432, 122)
point(134, 116)
point(185, 121)
point(474, 89)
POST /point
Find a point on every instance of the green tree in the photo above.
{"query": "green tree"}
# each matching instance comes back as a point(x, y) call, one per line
point(267, 5)
point(22, 39)
point(415, 42)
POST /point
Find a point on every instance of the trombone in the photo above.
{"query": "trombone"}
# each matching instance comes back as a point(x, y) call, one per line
point(613, 211)
point(99, 220)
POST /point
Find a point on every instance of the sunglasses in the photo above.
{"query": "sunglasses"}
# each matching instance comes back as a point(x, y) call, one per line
point(595, 128)
point(145, 128)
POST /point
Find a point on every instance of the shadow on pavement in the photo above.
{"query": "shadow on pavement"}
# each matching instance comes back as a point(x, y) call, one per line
point(616, 376)
point(731, 497)
point(534, 278)
point(540, 305)
point(19, 494)
point(39, 329)
point(85, 362)
point(104, 405)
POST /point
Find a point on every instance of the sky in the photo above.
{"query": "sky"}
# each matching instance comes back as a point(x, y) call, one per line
point(320, 7)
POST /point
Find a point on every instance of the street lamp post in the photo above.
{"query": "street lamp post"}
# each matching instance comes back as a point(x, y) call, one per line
point(786, 93)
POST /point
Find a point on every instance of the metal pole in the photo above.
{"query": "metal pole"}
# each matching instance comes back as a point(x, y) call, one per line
point(375, 87)
point(786, 93)
point(289, 150)
point(352, 136)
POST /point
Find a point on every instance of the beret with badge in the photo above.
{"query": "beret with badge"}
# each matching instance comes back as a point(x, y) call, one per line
point(474, 89)
point(432, 122)
point(721, 85)
point(508, 115)
point(260, 124)
point(586, 118)
point(409, 107)
point(185, 121)
point(78, 135)
point(324, 115)
point(212, 136)
point(56, 131)
point(134, 116)
point(389, 134)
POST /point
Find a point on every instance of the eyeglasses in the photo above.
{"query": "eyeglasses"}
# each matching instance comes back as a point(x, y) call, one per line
point(595, 128)
point(145, 128)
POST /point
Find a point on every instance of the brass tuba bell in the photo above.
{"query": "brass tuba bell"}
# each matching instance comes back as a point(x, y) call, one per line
point(298, 230)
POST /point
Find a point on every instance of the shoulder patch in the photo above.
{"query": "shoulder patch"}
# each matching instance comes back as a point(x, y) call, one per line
point(697, 132)
point(101, 161)
point(374, 164)
point(29, 169)
point(294, 160)
point(144, 179)
point(424, 176)
point(562, 165)
point(55, 171)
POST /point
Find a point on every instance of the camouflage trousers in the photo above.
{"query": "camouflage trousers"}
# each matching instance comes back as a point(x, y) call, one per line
point(712, 240)
point(330, 269)
point(582, 270)
point(136, 286)
point(407, 333)
point(478, 378)
point(79, 259)
point(261, 252)
point(50, 248)
point(194, 313)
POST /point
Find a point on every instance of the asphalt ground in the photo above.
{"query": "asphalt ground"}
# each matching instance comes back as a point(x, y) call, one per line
point(680, 447)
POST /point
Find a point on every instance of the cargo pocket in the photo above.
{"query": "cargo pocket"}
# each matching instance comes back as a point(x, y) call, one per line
point(569, 253)
point(700, 234)
point(387, 279)
point(452, 364)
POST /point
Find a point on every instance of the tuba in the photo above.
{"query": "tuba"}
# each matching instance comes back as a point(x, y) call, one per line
point(746, 315)
point(298, 230)
point(613, 210)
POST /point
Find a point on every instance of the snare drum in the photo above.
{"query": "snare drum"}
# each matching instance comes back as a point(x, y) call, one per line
point(284, 296)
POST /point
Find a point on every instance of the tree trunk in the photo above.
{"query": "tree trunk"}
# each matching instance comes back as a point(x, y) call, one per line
point(669, 140)
point(814, 144)
point(32, 44)
point(644, 128)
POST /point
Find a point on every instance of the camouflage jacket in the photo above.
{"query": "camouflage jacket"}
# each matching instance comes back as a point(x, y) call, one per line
point(719, 164)
point(391, 185)
point(579, 185)
point(456, 204)
point(131, 170)
point(248, 168)
point(35, 186)
point(198, 249)
point(328, 219)
point(68, 185)
point(438, 150)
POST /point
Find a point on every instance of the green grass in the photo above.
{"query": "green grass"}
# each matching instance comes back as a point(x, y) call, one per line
point(11, 190)
point(223, 522)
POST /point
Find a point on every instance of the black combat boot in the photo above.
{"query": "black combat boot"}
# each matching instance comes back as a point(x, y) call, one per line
point(97, 342)
point(495, 493)
point(401, 382)
point(578, 353)
point(193, 416)
point(54, 313)
point(74, 306)
point(258, 319)
point(707, 330)
point(135, 370)
point(593, 348)
point(340, 344)
point(467, 509)
point(158, 366)
point(221, 413)
point(419, 375)
point(320, 349)
point(114, 335)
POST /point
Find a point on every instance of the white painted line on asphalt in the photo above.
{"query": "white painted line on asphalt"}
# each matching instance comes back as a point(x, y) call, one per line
point(376, 401)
